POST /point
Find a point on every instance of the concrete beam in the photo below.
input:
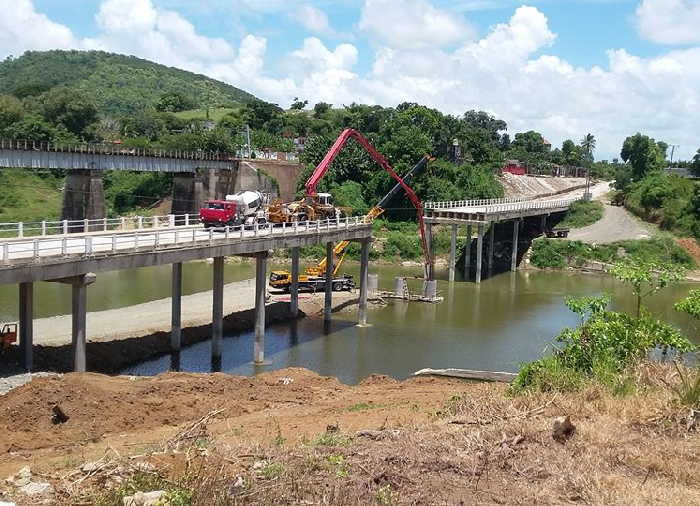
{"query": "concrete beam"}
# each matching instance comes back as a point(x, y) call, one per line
point(260, 296)
point(26, 324)
point(294, 288)
point(217, 325)
point(328, 301)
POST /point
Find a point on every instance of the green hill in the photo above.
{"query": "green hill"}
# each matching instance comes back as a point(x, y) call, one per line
point(117, 84)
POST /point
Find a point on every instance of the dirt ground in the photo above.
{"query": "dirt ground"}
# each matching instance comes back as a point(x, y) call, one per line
point(293, 437)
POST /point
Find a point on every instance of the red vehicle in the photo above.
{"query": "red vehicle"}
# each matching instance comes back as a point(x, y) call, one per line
point(8, 334)
point(514, 167)
point(219, 213)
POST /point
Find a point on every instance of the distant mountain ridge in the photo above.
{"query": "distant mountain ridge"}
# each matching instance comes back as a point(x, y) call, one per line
point(117, 84)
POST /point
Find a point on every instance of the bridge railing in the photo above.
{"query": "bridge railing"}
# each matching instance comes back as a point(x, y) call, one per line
point(530, 206)
point(91, 245)
point(65, 227)
point(472, 203)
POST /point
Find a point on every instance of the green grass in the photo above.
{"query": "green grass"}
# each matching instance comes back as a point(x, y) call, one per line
point(215, 113)
point(28, 195)
point(558, 254)
point(582, 214)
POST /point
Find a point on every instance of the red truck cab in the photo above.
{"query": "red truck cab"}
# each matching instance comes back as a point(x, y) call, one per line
point(219, 213)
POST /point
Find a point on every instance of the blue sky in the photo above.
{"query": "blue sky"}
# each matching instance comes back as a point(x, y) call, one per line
point(562, 67)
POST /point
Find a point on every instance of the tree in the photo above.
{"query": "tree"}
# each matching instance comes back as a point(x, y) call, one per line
point(571, 153)
point(298, 105)
point(588, 146)
point(70, 109)
point(642, 153)
point(173, 102)
point(646, 278)
point(11, 111)
point(321, 108)
point(695, 166)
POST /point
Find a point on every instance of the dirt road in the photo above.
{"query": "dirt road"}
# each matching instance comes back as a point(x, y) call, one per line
point(617, 224)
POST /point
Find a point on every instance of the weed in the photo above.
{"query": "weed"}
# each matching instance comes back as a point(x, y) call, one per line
point(363, 406)
point(386, 496)
point(143, 482)
point(271, 471)
point(332, 439)
point(338, 462)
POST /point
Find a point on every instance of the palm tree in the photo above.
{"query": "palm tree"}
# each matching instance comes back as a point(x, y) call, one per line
point(588, 146)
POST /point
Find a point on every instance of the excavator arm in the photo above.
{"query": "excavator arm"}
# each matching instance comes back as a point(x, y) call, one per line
point(338, 145)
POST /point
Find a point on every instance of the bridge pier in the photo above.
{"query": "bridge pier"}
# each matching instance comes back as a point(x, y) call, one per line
point(188, 194)
point(453, 253)
point(514, 258)
point(430, 274)
point(176, 308)
point(83, 199)
point(294, 288)
point(217, 322)
point(492, 237)
point(479, 251)
point(260, 291)
point(364, 278)
point(468, 254)
point(328, 302)
point(26, 324)
point(79, 303)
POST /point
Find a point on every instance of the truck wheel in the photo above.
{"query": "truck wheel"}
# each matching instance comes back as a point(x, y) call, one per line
point(337, 286)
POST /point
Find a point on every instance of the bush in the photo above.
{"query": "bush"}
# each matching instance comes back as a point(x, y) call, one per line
point(582, 214)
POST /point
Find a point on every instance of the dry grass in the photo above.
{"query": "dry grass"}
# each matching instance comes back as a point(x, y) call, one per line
point(482, 448)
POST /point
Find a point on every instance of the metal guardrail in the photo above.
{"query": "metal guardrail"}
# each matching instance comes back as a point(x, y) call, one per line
point(89, 245)
point(471, 203)
point(66, 227)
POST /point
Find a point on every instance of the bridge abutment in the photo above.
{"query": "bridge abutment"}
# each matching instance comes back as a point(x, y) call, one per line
point(83, 199)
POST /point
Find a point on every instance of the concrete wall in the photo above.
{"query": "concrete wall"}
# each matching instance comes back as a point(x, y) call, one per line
point(287, 175)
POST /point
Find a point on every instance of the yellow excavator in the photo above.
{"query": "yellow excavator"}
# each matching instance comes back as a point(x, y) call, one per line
point(314, 278)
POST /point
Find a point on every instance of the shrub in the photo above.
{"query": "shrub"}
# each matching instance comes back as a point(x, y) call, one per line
point(582, 214)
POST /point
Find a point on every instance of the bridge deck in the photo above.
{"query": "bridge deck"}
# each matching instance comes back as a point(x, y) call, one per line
point(489, 211)
point(49, 258)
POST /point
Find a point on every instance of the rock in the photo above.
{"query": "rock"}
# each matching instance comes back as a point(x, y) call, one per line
point(34, 488)
point(259, 465)
point(239, 483)
point(22, 478)
point(563, 429)
point(144, 498)
point(58, 416)
point(3, 503)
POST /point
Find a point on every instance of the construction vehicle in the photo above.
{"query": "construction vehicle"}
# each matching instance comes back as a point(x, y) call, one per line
point(242, 208)
point(315, 275)
point(8, 335)
point(318, 207)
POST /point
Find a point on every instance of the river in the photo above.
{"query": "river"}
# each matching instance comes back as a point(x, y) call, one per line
point(497, 325)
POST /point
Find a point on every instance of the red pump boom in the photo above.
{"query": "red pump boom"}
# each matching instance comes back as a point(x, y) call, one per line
point(340, 142)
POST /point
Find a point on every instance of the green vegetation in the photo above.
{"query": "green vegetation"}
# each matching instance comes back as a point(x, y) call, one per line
point(29, 195)
point(582, 214)
point(558, 254)
point(216, 114)
point(646, 278)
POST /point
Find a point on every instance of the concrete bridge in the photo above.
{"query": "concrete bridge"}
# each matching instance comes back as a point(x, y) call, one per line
point(198, 176)
point(77, 259)
point(486, 215)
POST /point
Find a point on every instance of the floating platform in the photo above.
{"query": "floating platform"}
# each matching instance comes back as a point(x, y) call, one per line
point(501, 377)
point(410, 297)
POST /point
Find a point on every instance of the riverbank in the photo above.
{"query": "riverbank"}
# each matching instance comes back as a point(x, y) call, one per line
point(118, 338)
point(294, 437)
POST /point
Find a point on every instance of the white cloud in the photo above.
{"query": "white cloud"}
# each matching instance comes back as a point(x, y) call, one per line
point(313, 19)
point(413, 24)
point(22, 28)
point(669, 21)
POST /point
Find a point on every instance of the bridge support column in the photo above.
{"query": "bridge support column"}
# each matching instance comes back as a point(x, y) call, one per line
point(260, 280)
point(453, 253)
point(217, 322)
point(430, 268)
point(80, 284)
point(188, 194)
point(492, 237)
point(514, 258)
point(479, 252)
point(543, 224)
point(176, 308)
point(83, 199)
point(328, 303)
point(364, 277)
point(468, 254)
point(294, 288)
point(26, 324)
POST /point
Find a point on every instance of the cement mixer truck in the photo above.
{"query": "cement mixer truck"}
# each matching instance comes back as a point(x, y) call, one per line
point(243, 208)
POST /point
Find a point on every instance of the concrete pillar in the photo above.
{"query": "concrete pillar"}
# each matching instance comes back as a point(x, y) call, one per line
point(543, 224)
point(260, 281)
point(492, 236)
point(468, 254)
point(26, 324)
point(514, 258)
point(79, 296)
point(83, 199)
point(188, 195)
point(294, 288)
point(453, 254)
point(430, 274)
point(328, 303)
point(176, 308)
point(479, 252)
point(217, 321)
point(364, 278)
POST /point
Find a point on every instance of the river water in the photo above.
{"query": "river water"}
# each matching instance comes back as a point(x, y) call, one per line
point(505, 321)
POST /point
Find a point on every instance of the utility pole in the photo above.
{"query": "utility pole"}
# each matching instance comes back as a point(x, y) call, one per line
point(673, 150)
point(247, 133)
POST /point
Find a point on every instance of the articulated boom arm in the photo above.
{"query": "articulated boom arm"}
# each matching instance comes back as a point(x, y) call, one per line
point(340, 142)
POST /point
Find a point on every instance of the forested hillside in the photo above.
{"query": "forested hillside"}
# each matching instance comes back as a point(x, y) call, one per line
point(116, 84)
